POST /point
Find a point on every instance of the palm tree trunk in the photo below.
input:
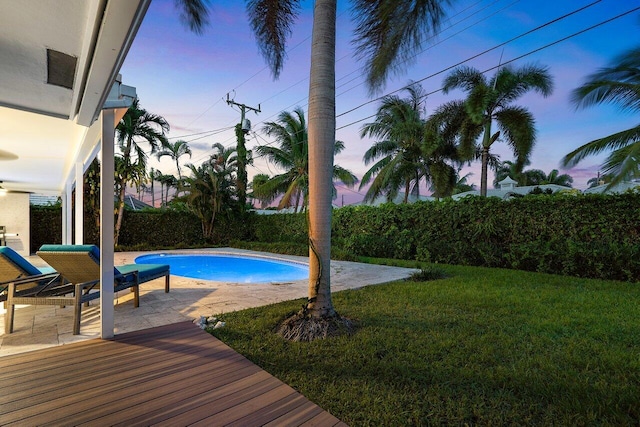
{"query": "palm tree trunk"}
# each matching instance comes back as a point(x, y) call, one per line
point(407, 186)
point(120, 212)
point(126, 156)
point(484, 159)
point(321, 132)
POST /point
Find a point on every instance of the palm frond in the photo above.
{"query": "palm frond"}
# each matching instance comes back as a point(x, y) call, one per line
point(271, 21)
point(389, 32)
point(612, 142)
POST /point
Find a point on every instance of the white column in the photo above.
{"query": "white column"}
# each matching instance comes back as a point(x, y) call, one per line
point(79, 212)
point(67, 230)
point(107, 181)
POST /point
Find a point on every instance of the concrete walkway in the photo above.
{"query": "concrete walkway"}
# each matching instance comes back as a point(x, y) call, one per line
point(38, 327)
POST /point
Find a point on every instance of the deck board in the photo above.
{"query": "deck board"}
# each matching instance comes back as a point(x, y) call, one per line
point(170, 375)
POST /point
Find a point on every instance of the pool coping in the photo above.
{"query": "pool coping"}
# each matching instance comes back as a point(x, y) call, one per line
point(45, 326)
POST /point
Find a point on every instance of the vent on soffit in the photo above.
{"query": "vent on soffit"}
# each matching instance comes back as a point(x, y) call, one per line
point(61, 68)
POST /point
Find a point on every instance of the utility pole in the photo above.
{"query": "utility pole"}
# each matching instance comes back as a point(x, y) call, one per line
point(242, 129)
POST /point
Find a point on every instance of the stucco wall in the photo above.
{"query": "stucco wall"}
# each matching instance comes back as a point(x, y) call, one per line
point(14, 214)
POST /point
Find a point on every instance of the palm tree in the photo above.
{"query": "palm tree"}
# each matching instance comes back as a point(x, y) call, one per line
point(175, 151)
point(205, 195)
point(290, 131)
point(619, 84)
point(490, 100)
point(387, 33)
point(555, 177)
point(400, 130)
point(601, 179)
point(153, 177)
point(462, 184)
point(508, 169)
point(260, 191)
point(136, 127)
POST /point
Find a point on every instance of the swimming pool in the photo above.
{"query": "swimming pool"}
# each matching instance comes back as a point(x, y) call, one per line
point(229, 268)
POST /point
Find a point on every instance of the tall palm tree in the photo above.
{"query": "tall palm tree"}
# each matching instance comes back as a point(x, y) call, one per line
point(619, 84)
point(175, 151)
point(137, 127)
point(490, 100)
point(387, 33)
point(290, 131)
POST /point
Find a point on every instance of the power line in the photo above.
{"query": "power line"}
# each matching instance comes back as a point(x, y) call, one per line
point(496, 66)
point(553, 21)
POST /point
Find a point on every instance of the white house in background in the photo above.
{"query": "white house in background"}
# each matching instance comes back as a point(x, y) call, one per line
point(508, 187)
point(616, 189)
point(399, 199)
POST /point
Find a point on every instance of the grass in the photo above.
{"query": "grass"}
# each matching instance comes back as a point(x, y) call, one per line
point(482, 346)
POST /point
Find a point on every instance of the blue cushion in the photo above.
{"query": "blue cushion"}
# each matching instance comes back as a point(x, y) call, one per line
point(17, 259)
point(145, 270)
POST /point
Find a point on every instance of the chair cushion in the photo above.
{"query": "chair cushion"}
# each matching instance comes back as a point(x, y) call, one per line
point(18, 260)
point(145, 271)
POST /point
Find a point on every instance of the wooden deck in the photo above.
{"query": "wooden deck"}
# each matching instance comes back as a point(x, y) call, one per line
point(171, 375)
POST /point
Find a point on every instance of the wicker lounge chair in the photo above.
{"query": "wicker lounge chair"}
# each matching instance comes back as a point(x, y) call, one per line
point(13, 267)
point(80, 265)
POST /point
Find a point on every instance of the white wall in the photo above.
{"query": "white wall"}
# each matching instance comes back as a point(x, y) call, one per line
point(14, 214)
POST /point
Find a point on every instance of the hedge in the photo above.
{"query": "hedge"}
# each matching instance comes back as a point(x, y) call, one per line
point(579, 235)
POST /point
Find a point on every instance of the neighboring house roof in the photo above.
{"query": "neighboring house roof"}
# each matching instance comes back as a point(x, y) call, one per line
point(508, 187)
point(42, 200)
point(616, 189)
point(133, 203)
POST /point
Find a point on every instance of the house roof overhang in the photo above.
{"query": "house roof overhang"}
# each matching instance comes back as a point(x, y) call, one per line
point(59, 63)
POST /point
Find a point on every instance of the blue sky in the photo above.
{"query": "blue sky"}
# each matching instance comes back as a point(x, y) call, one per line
point(185, 77)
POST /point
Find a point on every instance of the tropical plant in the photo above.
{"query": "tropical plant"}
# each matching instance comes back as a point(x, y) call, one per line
point(176, 150)
point(136, 127)
point(618, 84)
point(387, 34)
point(291, 155)
point(211, 186)
point(205, 196)
point(490, 100)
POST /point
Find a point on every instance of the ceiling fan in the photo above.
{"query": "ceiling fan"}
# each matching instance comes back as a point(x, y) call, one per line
point(4, 191)
point(7, 155)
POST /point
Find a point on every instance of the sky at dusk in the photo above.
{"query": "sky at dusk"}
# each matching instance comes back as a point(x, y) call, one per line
point(185, 77)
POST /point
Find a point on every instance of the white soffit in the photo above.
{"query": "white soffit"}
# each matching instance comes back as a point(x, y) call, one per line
point(45, 125)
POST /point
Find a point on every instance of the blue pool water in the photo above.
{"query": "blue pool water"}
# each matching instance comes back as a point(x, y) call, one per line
point(228, 268)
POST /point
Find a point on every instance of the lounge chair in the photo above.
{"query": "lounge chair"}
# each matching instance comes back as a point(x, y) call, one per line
point(14, 267)
point(80, 265)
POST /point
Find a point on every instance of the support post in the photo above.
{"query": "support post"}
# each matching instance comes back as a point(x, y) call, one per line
point(107, 182)
point(79, 202)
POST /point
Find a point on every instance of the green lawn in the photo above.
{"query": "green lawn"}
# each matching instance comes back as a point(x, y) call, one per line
point(483, 346)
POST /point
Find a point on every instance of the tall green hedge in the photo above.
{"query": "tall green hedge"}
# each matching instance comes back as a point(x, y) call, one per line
point(584, 236)
point(146, 229)
point(578, 235)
